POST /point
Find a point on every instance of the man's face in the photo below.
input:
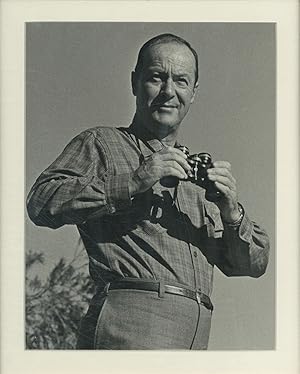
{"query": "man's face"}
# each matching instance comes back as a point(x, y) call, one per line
point(165, 87)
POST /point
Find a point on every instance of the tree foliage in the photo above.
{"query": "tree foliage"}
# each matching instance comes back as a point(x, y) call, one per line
point(55, 305)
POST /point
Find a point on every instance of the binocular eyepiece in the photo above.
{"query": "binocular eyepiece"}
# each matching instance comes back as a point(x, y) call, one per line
point(199, 163)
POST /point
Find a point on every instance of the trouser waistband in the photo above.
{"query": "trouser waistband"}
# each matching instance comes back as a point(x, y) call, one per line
point(160, 288)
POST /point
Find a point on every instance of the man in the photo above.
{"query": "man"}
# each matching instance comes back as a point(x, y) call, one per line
point(152, 246)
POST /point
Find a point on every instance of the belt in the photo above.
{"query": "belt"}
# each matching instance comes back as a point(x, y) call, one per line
point(145, 285)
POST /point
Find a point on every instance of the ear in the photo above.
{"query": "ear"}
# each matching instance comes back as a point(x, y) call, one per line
point(134, 81)
point(194, 91)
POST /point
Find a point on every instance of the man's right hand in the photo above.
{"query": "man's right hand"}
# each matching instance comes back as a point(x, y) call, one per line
point(169, 161)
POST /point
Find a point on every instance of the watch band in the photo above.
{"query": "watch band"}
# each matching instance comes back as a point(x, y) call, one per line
point(239, 220)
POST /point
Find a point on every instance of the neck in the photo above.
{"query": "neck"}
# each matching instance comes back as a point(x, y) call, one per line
point(169, 140)
point(165, 135)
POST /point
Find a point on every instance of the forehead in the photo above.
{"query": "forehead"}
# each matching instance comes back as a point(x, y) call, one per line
point(170, 55)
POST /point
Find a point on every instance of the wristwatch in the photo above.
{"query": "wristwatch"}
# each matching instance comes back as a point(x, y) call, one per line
point(239, 220)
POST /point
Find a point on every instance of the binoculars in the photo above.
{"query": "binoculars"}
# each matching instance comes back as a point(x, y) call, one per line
point(199, 163)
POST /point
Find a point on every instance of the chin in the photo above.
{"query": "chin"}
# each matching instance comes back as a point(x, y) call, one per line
point(162, 129)
point(166, 122)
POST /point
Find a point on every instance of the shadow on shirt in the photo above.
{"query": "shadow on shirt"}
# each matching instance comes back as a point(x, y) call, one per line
point(150, 216)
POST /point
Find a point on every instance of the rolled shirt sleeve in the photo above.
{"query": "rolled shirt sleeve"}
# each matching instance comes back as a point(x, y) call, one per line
point(77, 185)
point(246, 250)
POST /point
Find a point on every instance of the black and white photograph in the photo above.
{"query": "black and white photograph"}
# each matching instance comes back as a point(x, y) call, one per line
point(151, 181)
point(149, 187)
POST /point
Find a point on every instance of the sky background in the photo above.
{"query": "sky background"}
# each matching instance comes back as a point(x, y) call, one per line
point(78, 76)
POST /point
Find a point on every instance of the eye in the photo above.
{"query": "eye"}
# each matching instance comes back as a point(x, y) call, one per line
point(155, 78)
point(182, 82)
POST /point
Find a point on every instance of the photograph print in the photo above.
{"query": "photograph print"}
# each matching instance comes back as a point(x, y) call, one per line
point(150, 183)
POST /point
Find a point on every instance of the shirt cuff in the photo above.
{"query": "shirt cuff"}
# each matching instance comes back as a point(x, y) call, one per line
point(244, 230)
point(117, 192)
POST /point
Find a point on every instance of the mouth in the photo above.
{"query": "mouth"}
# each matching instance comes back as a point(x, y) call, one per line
point(164, 106)
point(167, 106)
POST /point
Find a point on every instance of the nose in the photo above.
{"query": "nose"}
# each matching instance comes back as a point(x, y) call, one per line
point(168, 88)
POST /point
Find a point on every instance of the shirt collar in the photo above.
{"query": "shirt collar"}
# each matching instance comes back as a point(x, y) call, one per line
point(144, 135)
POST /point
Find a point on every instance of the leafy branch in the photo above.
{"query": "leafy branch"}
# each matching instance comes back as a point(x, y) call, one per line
point(54, 306)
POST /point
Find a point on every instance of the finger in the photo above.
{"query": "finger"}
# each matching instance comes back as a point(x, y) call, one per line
point(176, 150)
point(221, 171)
point(225, 190)
point(222, 164)
point(174, 156)
point(174, 172)
point(224, 180)
point(173, 168)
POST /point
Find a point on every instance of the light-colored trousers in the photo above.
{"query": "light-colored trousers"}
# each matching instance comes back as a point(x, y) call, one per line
point(136, 319)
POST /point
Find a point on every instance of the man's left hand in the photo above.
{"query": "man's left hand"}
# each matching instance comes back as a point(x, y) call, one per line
point(224, 181)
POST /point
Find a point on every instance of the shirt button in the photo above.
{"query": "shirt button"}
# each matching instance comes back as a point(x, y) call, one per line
point(195, 254)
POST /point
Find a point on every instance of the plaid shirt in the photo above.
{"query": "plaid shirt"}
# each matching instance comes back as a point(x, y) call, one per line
point(168, 234)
